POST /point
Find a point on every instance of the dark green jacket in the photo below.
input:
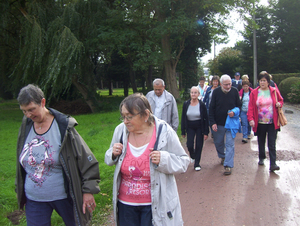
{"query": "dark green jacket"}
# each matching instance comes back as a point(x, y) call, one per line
point(80, 167)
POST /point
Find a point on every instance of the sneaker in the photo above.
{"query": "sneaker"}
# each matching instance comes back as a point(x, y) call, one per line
point(249, 137)
point(192, 160)
point(274, 167)
point(227, 170)
point(198, 168)
point(261, 162)
point(222, 161)
point(245, 140)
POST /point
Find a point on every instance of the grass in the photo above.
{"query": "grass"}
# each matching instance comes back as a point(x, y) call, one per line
point(96, 129)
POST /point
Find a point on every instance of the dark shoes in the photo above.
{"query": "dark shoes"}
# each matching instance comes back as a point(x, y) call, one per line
point(227, 171)
point(222, 161)
point(261, 162)
point(274, 167)
point(245, 140)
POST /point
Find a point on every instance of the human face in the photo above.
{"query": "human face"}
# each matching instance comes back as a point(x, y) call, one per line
point(194, 93)
point(132, 122)
point(201, 82)
point(33, 111)
point(246, 88)
point(215, 83)
point(263, 83)
point(158, 90)
point(226, 85)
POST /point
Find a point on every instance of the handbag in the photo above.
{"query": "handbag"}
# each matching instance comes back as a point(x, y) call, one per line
point(281, 117)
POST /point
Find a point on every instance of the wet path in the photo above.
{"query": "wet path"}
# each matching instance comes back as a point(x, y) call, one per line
point(251, 195)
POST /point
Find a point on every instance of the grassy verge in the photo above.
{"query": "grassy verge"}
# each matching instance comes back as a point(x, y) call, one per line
point(96, 130)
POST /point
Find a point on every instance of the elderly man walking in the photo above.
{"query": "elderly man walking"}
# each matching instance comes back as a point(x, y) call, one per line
point(163, 104)
point(225, 102)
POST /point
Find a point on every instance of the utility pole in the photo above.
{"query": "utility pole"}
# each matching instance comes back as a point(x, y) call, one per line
point(254, 49)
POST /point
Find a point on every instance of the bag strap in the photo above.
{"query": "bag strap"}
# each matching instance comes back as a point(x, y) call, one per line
point(275, 96)
point(157, 138)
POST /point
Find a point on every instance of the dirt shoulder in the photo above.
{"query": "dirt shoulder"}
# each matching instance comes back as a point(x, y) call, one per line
point(251, 195)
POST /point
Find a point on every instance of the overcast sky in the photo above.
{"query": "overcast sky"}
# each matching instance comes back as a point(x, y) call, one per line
point(234, 34)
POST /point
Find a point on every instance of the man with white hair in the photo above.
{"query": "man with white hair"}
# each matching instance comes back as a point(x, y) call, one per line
point(224, 100)
point(163, 104)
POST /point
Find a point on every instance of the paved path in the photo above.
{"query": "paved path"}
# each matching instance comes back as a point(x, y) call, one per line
point(251, 195)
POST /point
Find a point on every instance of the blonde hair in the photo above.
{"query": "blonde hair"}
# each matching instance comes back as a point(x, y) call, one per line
point(245, 78)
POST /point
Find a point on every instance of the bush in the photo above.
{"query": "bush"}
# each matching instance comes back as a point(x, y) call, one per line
point(285, 86)
point(294, 95)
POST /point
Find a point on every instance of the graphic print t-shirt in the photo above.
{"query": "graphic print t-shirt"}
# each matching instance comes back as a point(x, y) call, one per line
point(40, 158)
point(264, 105)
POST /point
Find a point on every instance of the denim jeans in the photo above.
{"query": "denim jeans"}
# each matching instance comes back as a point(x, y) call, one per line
point(246, 128)
point(39, 213)
point(224, 149)
point(262, 130)
point(134, 215)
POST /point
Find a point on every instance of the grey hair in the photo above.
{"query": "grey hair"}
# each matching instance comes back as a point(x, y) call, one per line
point(30, 93)
point(225, 77)
point(138, 102)
point(194, 87)
point(158, 81)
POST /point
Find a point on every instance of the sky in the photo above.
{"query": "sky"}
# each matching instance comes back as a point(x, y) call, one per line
point(233, 34)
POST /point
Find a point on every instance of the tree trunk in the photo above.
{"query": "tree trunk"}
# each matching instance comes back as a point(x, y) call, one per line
point(149, 78)
point(132, 79)
point(87, 93)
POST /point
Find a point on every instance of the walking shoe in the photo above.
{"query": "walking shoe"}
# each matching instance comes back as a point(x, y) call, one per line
point(197, 168)
point(227, 170)
point(222, 161)
point(261, 162)
point(245, 140)
point(274, 167)
point(249, 137)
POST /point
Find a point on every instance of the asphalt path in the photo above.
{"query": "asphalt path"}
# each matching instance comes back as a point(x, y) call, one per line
point(251, 195)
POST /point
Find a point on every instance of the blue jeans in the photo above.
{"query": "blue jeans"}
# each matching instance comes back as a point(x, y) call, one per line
point(224, 149)
point(134, 215)
point(246, 128)
point(39, 213)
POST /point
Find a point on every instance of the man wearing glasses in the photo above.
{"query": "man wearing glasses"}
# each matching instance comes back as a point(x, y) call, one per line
point(163, 104)
point(223, 102)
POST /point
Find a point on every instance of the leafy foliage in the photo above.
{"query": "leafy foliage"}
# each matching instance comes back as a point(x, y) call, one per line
point(294, 95)
point(285, 86)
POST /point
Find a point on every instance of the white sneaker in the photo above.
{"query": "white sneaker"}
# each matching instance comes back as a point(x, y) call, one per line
point(198, 168)
point(192, 160)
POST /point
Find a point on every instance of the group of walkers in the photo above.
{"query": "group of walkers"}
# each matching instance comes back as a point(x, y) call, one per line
point(57, 171)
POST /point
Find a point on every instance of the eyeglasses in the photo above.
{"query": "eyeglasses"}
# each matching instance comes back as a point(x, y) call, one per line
point(128, 118)
point(229, 84)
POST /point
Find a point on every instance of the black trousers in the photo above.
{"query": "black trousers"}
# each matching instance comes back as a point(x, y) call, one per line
point(262, 131)
point(194, 130)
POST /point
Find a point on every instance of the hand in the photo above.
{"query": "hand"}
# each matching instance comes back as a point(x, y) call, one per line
point(278, 105)
point(205, 137)
point(231, 114)
point(214, 127)
point(88, 202)
point(252, 123)
point(155, 156)
point(117, 150)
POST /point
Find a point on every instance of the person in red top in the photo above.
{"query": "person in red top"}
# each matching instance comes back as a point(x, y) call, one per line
point(263, 115)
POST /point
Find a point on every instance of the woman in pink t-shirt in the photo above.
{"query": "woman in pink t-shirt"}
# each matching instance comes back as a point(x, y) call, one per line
point(262, 116)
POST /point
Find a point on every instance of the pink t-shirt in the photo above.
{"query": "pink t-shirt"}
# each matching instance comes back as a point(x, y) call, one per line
point(264, 105)
point(135, 188)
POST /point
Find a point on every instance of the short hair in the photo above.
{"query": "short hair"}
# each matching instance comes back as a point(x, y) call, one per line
point(202, 78)
point(245, 77)
point(225, 77)
point(215, 77)
point(245, 82)
point(30, 93)
point(195, 87)
point(264, 74)
point(139, 103)
point(158, 81)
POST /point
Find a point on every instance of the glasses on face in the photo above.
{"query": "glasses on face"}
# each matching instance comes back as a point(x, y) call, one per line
point(229, 84)
point(128, 118)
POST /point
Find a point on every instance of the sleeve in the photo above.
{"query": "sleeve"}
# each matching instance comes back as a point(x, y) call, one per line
point(174, 159)
point(175, 118)
point(183, 119)
point(212, 108)
point(205, 120)
point(251, 106)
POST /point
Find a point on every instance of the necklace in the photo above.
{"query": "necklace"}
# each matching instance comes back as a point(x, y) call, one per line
point(144, 140)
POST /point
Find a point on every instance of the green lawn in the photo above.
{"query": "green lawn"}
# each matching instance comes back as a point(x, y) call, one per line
point(96, 129)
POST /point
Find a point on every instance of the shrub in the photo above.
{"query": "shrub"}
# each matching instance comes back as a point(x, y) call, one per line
point(285, 86)
point(294, 95)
